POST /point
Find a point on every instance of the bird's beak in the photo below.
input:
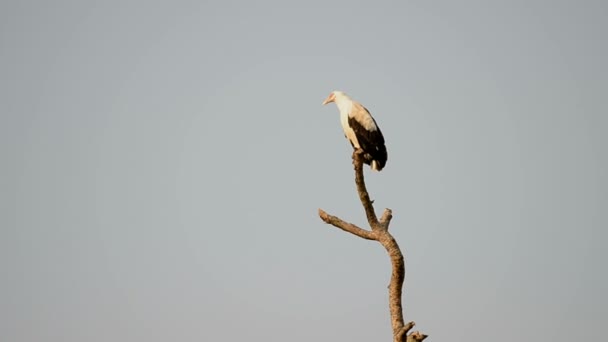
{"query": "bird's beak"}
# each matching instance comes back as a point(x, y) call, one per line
point(328, 100)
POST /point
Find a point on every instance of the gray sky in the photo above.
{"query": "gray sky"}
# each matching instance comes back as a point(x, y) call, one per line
point(163, 163)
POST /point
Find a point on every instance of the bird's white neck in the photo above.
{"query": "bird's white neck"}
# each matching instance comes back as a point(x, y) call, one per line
point(344, 103)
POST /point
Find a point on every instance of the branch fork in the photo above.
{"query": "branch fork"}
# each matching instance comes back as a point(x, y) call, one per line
point(379, 232)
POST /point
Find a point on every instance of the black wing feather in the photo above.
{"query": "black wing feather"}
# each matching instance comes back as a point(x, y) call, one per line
point(372, 142)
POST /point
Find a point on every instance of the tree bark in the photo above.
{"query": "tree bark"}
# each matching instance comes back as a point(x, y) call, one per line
point(379, 232)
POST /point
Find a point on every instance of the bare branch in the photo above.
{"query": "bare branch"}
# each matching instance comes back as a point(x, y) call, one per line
point(345, 226)
point(397, 277)
point(379, 232)
point(362, 190)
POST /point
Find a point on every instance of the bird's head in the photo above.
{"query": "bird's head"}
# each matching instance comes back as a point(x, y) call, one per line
point(336, 94)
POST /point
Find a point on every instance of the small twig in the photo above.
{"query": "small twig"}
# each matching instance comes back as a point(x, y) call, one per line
point(401, 334)
point(416, 336)
point(386, 218)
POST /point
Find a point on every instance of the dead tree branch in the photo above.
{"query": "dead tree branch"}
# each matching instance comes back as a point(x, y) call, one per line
point(347, 227)
point(379, 232)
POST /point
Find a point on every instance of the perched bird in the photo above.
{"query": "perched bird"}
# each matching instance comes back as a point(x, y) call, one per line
point(360, 129)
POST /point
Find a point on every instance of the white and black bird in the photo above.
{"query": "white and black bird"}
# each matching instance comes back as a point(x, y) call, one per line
point(360, 129)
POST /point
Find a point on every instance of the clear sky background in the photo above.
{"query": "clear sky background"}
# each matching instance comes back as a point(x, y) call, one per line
point(162, 164)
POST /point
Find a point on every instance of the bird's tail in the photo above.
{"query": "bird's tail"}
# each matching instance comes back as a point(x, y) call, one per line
point(375, 166)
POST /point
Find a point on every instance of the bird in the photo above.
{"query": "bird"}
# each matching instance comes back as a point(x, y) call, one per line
point(360, 129)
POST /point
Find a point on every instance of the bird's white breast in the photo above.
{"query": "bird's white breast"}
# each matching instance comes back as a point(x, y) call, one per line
point(345, 107)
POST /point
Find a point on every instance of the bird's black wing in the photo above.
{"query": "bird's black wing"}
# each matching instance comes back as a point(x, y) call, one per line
point(370, 140)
